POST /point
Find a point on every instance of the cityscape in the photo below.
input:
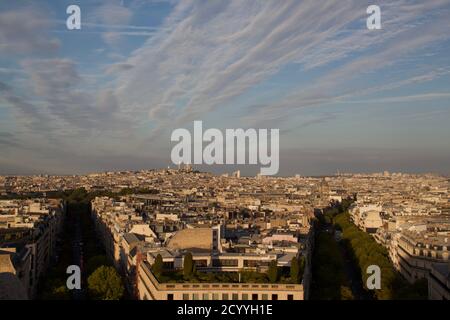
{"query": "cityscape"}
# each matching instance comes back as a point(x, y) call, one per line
point(241, 151)
point(182, 234)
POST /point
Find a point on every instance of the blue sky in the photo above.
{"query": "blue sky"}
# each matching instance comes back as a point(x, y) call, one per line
point(108, 96)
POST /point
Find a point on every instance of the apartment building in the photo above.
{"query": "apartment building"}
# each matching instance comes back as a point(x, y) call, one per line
point(29, 232)
point(133, 242)
point(439, 282)
point(150, 289)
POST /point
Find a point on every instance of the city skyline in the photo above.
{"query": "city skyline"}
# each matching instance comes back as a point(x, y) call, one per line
point(231, 173)
point(108, 96)
point(186, 235)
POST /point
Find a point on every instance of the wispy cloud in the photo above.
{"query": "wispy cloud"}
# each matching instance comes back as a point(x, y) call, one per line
point(215, 51)
point(408, 98)
point(23, 31)
point(206, 58)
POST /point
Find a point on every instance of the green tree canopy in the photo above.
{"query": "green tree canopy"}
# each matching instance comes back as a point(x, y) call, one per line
point(158, 265)
point(346, 293)
point(105, 284)
point(56, 289)
point(295, 270)
point(365, 251)
point(273, 271)
point(188, 265)
point(95, 262)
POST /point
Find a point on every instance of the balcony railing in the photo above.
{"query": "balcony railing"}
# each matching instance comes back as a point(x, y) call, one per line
point(218, 286)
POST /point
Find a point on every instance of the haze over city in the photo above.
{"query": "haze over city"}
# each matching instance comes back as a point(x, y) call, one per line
point(108, 96)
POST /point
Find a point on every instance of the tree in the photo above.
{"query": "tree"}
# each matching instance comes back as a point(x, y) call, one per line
point(364, 251)
point(188, 265)
point(295, 270)
point(95, 262)
point(346, 293)
point(301, 265)
point(158, 265)
point(105, 284)
point(56, 289)
point(328, 270)
point(273, 271)
point(61, 293)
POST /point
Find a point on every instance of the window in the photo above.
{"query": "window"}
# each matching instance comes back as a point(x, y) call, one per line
point(215, 296)
point(225, 263)
point(205, 296)
point(195, 296)
point(170, 296)
point(235, 296)
point(185, 296)
point(244, 296)
point(254, 296)
point(265, 297)
point(225, 296)
point(250, 263)
point(201, 263)
point(274, 297)
point(290, 297)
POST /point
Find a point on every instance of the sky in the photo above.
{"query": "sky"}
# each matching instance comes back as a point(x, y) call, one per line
point(108, 96)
